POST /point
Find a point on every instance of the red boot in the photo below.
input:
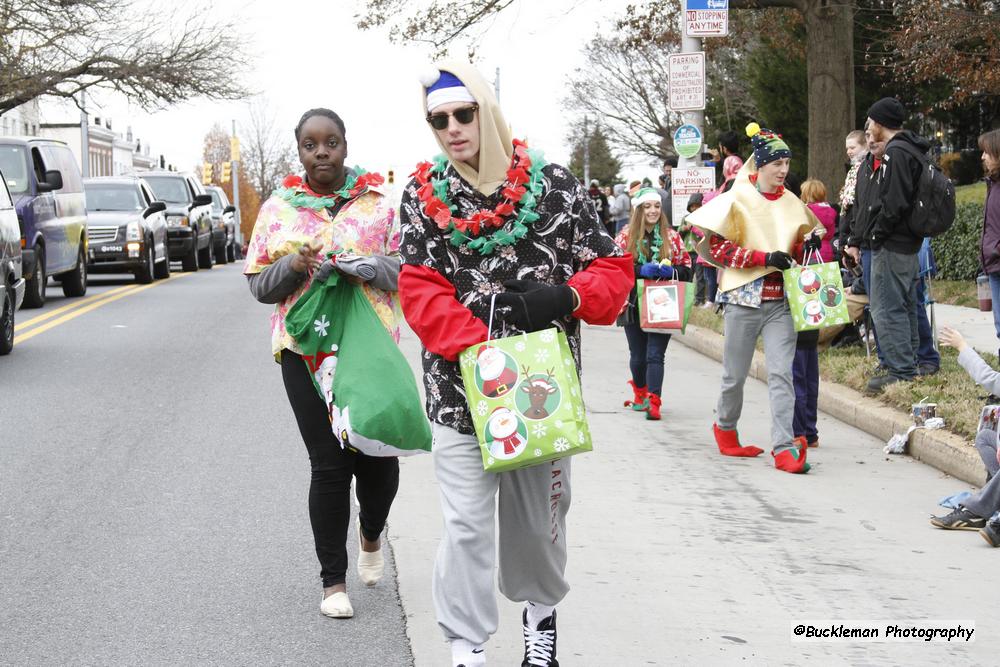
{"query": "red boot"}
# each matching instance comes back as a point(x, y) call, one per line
point(793, 460)
point(654, 407)
point(640, 400)
point(729, 443)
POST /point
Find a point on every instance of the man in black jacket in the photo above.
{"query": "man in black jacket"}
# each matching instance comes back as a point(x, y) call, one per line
point(895, 265)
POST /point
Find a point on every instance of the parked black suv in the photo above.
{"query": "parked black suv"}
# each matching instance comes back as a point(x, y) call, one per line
point(126, 228)
point(223, 224)
point(189, 217)
point(11, 282)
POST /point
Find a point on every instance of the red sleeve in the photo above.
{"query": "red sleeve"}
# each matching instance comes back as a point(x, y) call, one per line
point(444, 325)
point(727, 253)
point(603, 287)
point(680, 255)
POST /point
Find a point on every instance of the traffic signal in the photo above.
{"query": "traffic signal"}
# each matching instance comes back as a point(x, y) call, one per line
point(227, 171)
point(206, 174)
point(391, 177)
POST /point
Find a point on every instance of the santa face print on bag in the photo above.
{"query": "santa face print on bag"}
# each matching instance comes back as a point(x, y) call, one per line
point(496, 372)
point(809, 282)
point(662, 304)
point(506, 434)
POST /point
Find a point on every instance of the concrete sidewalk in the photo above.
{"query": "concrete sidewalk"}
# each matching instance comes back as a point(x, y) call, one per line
point(679, 555)
point(975, 325)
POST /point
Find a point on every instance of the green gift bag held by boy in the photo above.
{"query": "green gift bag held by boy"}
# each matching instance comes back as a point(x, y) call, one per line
point(815, 295)
point(525, 399)
point(359, 371)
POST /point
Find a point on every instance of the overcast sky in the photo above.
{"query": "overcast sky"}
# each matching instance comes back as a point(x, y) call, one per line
point(310, 54)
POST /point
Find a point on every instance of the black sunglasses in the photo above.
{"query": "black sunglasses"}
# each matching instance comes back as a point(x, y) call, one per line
point(465, 115)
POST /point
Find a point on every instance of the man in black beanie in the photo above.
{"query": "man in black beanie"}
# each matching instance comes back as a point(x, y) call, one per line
point(895, 265)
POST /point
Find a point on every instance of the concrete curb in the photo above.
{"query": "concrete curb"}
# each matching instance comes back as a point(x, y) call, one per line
point(945, 451)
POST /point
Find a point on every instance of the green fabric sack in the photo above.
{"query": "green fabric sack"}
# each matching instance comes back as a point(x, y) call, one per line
point(359, 371)
point(525, 399)
point(816, 298)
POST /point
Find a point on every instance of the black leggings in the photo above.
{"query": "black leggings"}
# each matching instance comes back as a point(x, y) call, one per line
point(332, 468)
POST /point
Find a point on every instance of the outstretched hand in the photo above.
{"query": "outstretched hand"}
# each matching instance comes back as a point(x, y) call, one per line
point(951, 338)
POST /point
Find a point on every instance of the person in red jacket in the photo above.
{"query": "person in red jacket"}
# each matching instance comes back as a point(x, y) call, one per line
point(478, 235)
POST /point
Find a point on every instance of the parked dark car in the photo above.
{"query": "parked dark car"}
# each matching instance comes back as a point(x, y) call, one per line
point(44, 181)
point(189, 217)
point(11, 282)
point(223, 224)
point(126, 228)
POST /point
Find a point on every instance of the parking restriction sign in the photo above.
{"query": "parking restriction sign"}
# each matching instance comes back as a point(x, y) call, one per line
point(687, 81)
point(706, 18)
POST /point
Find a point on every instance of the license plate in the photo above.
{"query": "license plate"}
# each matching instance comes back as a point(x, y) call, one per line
point(111, 248)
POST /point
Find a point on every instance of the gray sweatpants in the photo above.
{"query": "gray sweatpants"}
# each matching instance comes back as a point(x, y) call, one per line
point(743, 325)
point(532, 547)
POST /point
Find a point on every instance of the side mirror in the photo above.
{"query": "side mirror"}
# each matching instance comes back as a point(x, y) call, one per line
point(201, 200)
point(155, 207)
point(229, 209)
point(54, 178)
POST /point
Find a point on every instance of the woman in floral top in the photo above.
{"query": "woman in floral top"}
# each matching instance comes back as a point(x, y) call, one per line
point(332, 210)
point(659, 254)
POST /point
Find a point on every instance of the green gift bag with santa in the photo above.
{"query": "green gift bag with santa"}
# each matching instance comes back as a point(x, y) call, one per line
point(815, 294)
point(525, 399)
point(359, 371)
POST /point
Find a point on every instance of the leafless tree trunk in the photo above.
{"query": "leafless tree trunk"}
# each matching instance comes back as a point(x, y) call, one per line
point(267, 151)
point(63, 47)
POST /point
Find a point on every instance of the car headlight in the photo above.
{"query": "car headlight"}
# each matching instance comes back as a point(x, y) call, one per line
point(181, 220)
point(132, 231)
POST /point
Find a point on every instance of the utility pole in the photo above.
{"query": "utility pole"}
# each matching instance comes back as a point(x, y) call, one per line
point(84, 136)
point(586, 151)
point(496, 85)
point(696, 118)
point(234, 155)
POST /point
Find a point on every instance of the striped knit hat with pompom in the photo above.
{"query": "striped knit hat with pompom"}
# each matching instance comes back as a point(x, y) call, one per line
point(767, 145)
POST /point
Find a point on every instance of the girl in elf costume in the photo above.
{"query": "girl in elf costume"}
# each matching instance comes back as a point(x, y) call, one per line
point(331, 209)
point(659, 254)
point(491, 218)
point(754, 231)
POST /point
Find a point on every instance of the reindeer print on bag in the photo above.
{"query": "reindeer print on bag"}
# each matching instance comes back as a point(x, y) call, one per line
point(541, 391)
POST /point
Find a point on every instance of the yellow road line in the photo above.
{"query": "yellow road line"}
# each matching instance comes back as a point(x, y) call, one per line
point(130, 290)
point(70, 306)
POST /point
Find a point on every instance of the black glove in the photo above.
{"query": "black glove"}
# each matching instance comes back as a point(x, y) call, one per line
point(534, 305)
point(779, 260)
point(813, 242)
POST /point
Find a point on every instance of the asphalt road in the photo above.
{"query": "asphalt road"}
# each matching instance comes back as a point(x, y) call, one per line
point(153, 511)
point(153, 490)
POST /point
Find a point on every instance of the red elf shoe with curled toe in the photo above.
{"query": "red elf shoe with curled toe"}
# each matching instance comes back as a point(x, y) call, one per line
point(654, 406)
point(729, 443)
point(640, 400)
point(793, 460)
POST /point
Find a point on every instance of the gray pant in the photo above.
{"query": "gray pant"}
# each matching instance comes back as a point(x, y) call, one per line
point(743, 325)
point(893, 307)
point(532, 547)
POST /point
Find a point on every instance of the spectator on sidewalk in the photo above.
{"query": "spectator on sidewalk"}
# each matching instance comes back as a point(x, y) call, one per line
point(332, 207)
point(779, 229)
point(690, 242)
point(977, 512)
point(562, 269)
point(989, 144)
point(895, 265)
point(928, 360)
point(620, 208)
point(856, 145)
point(658, 254)
point(728, 146)
point(600, 203)
point(666, 180)
point(805, 367)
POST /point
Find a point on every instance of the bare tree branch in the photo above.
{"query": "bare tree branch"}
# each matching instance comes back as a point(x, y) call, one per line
point(63, 47)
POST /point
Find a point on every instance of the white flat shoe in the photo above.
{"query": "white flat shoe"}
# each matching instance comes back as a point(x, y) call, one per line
point(337, 605)
point(371, 565)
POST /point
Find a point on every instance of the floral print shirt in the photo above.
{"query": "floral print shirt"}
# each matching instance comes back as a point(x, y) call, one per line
point(566, 238)
point(366, 225)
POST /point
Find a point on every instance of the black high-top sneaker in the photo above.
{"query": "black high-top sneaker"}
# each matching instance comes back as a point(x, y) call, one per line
point(540, 642)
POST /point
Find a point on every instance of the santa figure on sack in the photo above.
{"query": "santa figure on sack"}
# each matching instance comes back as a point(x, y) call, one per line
point(498, 379)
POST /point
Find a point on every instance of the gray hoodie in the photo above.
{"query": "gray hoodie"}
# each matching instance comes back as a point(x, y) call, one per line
point(620, 205)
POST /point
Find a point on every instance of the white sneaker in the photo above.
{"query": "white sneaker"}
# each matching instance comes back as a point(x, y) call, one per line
point(337, 605)
point(371, 565)
point(467, 654)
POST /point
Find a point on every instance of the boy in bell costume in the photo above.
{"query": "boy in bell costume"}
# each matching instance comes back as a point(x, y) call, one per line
point(755, 231)
point(490, 218)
